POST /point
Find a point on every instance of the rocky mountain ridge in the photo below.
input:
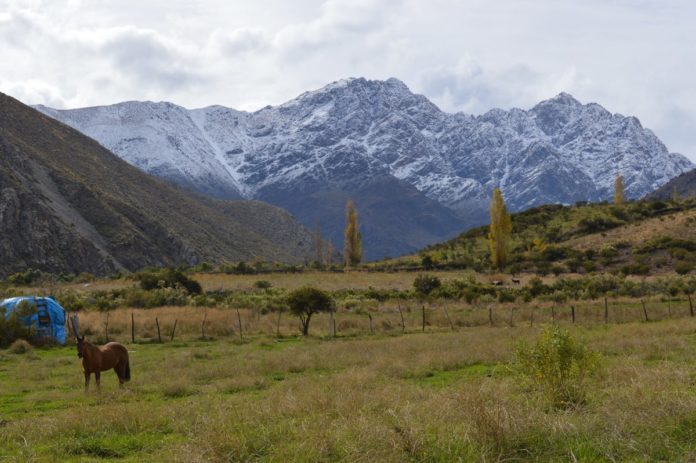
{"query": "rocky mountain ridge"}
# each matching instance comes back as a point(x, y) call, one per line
point(357, 134)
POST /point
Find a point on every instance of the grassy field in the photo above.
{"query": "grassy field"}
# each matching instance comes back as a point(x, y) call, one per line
point(437, 396)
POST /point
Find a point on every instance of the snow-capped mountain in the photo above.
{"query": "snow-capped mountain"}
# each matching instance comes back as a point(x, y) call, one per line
point(407, 161)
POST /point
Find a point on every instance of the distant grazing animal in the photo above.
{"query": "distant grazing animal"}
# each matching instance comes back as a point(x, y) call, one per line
point(497, 283)
point(515, 281)
point(97, 359)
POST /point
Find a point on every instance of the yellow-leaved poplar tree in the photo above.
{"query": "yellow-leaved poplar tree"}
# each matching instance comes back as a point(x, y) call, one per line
point(618, 190)
point(352, 239)
point(500, 230)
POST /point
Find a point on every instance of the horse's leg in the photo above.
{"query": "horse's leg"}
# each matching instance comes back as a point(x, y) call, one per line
point(97, 379)
point(120, 373)
point(86, 381)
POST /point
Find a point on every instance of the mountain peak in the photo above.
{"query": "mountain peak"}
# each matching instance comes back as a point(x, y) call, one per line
point(565, 99)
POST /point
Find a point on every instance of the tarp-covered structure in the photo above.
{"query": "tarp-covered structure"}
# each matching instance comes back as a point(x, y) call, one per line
point(43, 315)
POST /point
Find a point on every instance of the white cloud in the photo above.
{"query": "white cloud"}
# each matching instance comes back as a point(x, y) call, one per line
point(466, 55)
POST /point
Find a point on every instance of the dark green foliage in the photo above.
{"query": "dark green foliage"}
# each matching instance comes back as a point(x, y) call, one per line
point(682, 268)
point(24, 278)
point(426, 284)
point(11, 327)
point(262, 284)
point(167, 278)
point(305, 302)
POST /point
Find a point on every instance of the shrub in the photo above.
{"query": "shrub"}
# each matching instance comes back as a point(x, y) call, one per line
point(426, 284)
point(20, 346)
point(557, 367)
point(682, 268)
point(168, 278)
point(11, 326)
point(262, 284)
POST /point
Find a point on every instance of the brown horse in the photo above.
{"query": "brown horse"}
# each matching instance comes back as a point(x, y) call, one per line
point(97, 359)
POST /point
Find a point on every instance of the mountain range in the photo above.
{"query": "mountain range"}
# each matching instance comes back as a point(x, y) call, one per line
point(416, 174)
point(69, 205)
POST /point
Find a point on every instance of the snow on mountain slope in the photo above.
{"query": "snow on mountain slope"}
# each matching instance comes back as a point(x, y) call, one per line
point(354, 131)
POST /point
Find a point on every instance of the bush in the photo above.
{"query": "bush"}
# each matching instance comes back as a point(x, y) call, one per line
point(11, 327)
point(426, 284)
point(682, 268)
point(20, 346)
point(262, 284)
point(168, 278)
point(557, 367)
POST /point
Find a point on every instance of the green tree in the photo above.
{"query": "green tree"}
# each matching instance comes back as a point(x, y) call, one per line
point(618, 190)
point(426, 284)
point(352, 243)
point(500, 230)
point(305, 302)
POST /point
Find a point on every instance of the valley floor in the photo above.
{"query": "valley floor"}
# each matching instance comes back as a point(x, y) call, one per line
point(434, 396)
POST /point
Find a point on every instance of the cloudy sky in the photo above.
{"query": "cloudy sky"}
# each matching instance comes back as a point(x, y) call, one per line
point(635, 57)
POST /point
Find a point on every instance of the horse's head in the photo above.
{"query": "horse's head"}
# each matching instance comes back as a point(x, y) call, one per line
point(80, 346)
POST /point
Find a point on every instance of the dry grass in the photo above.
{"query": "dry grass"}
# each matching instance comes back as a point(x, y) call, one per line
point(422, 397)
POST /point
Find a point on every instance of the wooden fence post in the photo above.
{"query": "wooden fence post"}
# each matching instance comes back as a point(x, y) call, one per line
point(369, 315)
point(174, 329)
point(645, 311)
point(403, 323)
point(669, 306)
point(280, 312)
point(572, 313)
point(512, 315)
point(490, 315)
point(423, 312)
point(106, 327)
point(606, 311)
point(448, 317)
point(239, 321)
point(205, 317)
point(531, 317)
point(132, 328)
point(691, 305)
point(159, 336)
point(553, 311)
point(332, 324)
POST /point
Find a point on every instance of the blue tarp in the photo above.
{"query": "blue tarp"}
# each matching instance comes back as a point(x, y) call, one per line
point(47, 317)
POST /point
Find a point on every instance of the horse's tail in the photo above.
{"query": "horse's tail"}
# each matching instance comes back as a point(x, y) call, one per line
point(127, 375)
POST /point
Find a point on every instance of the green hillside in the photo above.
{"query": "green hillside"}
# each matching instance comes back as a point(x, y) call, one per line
point(641, 237)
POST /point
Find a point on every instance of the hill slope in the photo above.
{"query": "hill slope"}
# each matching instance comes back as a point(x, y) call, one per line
point(356, 134)
point(69, 205)
point(643, 237)
point(684, 186)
